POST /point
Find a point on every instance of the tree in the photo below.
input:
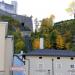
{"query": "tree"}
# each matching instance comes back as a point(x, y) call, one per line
point(52, 37)
point(47, 43)
point(46, 26)
point(71, 8)
point(19, 45)
point(60, 44)
point(36, 43)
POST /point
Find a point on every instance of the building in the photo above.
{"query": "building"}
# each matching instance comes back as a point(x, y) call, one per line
point(26, 23)
point(10, 8)
point(50, 62)
point(6, 50)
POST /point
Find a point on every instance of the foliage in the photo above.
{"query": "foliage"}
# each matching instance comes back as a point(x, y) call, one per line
point(47, 43)
point(13, 29)
point(52, 37)
point(58, 36)
point(12, 23)
point(36, 43)
point(67, 30)
point(68, 46)
point(46, 25)
point(19, 45)
point(60, 44)
point(73, 47)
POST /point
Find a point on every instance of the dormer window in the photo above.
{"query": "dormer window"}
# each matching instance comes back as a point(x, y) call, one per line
point(58, 57)
point(72, 58)
point(22, 24)
point(40, 57)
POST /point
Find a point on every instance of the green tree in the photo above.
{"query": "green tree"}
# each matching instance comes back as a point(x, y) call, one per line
point(19, 45)
point(53, 36)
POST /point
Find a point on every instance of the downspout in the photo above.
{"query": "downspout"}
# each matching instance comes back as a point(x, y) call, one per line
point(28, 66)
point(52, 66)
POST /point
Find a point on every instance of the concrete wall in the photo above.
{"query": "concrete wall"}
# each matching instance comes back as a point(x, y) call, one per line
point(6, 50)
point(9, 55)
point(50, 65)
point(3, 26)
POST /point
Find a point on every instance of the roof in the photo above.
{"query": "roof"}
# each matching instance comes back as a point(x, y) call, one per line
point(51, 52)
point(22, 19)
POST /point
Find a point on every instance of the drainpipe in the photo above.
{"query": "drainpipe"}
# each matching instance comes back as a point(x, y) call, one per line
point(28, 66)
point(52, 66)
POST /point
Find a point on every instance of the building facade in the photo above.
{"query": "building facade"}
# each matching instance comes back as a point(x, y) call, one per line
point(50, 62)
point(10, 8)
point(6, 50)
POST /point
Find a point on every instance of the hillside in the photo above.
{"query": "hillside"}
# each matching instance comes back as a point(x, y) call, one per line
point(67, 25)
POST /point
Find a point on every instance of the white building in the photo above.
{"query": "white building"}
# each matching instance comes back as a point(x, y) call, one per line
point(6, 50)
point(10, 8)
point(50, 62)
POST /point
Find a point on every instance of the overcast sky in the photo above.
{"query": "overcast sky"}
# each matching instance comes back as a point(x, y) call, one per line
point(44, 8)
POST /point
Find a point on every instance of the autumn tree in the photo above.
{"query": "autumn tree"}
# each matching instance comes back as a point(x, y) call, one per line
point(45, 30)
point(46, 25)
point(60, 43)
point(47, 43)
point(36, 43)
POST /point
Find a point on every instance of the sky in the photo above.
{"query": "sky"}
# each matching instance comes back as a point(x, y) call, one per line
point(43, 8)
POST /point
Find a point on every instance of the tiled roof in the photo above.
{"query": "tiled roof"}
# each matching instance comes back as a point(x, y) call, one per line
point(51, 52)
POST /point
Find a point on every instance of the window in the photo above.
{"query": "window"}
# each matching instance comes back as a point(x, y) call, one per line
point(58, 57)
point(40, 57)
point(40, 67)
point(59, 65)
point(71, 58)
point(22, 24)
point(72, 66)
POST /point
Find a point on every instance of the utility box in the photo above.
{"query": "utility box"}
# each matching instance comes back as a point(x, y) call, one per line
point(6, 50)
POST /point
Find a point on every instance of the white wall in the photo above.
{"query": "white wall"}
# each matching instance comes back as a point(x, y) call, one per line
point(8, 54)
point(2, 44)
point(56, 66)
point(6, 50)
point(39, 66)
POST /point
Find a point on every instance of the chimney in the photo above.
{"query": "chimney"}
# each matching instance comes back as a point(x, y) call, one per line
point(41, 43)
